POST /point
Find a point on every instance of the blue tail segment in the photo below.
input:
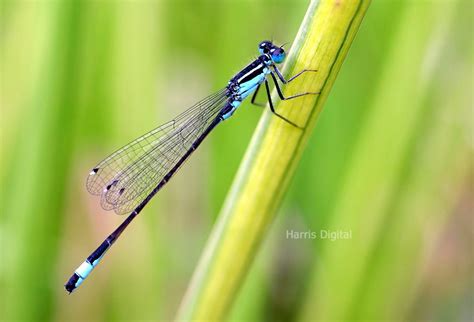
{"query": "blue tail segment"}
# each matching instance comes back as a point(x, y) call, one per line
point(81, 273)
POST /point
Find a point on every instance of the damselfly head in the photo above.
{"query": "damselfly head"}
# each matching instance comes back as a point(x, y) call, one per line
point(265, 46)
point(276, 53)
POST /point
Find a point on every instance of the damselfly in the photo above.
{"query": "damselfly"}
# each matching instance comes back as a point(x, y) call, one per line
point(128, 179)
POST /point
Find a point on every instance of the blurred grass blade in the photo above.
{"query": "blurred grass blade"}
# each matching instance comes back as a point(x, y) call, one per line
point(409, 149)
point(322, 43)
point(38, 173)
point(435, 171)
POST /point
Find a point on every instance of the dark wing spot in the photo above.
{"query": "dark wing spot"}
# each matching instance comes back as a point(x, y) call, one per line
point(113, 183)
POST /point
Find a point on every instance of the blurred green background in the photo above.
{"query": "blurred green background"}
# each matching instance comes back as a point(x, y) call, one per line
point(390, 160)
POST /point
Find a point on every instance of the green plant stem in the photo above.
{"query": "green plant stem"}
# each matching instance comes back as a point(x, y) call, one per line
point(321, 44)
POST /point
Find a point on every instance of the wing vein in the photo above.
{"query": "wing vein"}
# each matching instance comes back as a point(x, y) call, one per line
point(125, 177)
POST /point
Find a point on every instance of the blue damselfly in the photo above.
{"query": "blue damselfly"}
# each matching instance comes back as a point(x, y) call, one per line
point(128, 179)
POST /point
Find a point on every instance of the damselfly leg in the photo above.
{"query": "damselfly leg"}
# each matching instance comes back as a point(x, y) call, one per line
point(254, 97)
point(284, 81)
point(280, 93)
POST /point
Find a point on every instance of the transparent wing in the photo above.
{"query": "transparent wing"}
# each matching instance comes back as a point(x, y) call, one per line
point(129, 174)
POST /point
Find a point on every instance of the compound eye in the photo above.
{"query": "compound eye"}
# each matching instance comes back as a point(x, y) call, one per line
point(278, 55)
